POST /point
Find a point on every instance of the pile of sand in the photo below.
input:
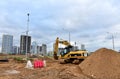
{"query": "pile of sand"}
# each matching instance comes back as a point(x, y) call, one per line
point(102, 64)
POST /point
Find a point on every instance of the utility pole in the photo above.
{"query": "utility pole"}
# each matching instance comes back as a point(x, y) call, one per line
point(27, 34)
point(69, 37)
point(113, 44)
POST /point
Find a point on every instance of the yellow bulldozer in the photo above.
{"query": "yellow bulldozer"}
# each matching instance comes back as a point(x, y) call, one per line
point(68, 55)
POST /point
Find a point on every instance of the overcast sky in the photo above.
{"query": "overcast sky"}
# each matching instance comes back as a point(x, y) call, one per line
point(87, 21)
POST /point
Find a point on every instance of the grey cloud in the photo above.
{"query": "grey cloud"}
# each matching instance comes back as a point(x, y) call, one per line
point(85, 19)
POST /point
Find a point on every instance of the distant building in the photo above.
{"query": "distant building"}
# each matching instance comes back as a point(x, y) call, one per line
point(34, 48)
point(83, 47)
point(38, 49)
point(50, 53)
point(44, 49)
point(25, 40)
point(7, 44)
point(18, 50)
point(74, 48)
point(15, 50)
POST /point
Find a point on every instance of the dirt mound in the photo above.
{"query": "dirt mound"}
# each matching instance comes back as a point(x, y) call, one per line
point(102, 64)
point(73, 72)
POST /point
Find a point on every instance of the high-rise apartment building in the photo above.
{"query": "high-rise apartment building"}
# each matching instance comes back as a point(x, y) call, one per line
point(25, 42)
point(44, 49)
point(7, 44)
point(34, 47)
point(38, 50)
point(15, 50)
point(83, 47)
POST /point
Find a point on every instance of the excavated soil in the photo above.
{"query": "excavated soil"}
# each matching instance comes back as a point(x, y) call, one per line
point(102, 64)
point(53, 70)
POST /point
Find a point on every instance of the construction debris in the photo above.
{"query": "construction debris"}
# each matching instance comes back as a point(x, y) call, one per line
point(4, 60)
point(29, 65)
point(11, 72)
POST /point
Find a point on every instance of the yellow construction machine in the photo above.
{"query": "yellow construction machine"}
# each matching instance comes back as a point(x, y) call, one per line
point(68, 55)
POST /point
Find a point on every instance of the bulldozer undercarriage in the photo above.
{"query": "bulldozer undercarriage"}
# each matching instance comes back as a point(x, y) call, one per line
point(73, 61)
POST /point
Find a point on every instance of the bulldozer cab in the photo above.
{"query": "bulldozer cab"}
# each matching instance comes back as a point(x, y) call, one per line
point(66, 50)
